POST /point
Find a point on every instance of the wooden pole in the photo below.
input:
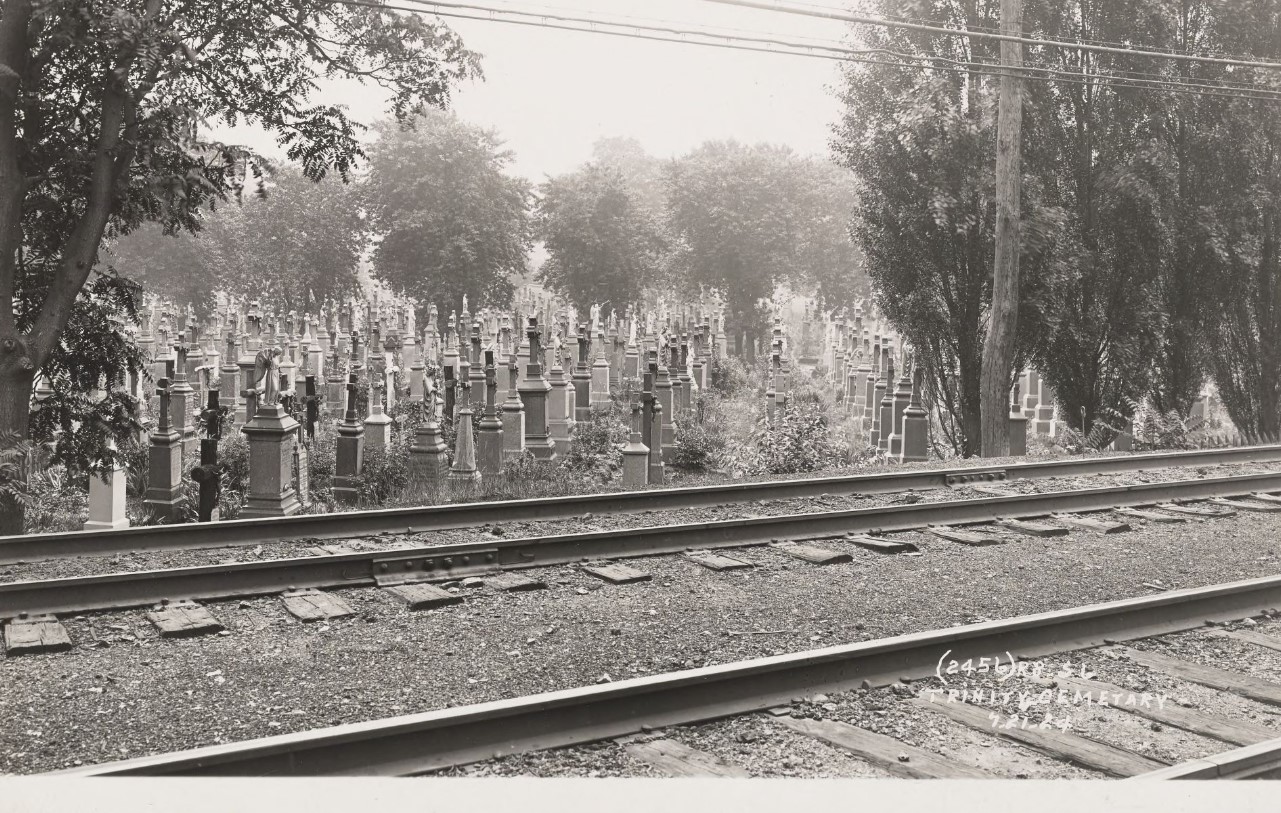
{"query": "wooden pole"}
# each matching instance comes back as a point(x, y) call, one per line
point(998, 349)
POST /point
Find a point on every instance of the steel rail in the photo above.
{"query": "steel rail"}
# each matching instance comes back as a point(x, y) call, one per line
point(34, 547)
point(1262, 760)
point(417, 743)
point(122, 590)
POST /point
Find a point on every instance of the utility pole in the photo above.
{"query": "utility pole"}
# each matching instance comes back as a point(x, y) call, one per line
point(998, 349)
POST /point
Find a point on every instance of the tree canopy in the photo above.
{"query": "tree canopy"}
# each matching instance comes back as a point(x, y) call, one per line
point(449, 218)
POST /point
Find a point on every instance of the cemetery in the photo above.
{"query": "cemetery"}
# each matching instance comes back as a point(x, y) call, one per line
point(731, 389)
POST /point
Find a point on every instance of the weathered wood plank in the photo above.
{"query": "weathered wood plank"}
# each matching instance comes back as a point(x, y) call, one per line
point(882, 544)
point(1257, 507)
point(676, 759)
point(1197, 511)
point(965, 537)
point(1237, 732)
point(617, 574)
point(514, 582)
point(313, 605)
point(423, 596)
point(1251, 637)
point(883, 751)
point(183, 619)
point(1151, 516)
point(1092, 523)
point(1265, 691)
point(715, 561)
point(815, 556)
point(32, 636)
point(1058, 744)
point(1039, 529)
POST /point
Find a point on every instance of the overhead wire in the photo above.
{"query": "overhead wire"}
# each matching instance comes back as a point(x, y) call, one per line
point(791, 48)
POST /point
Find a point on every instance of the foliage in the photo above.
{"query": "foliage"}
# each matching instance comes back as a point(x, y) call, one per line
point(15, 451)
point(57, 504)
point(729, 376)
point(102, 107)
point(596, 454)
point(603, 246)
point(922, 145)
point(701, 439)
point(94, 352)
point(384, 474)
point(452, 222)
point(743, 219)
point(799, 441)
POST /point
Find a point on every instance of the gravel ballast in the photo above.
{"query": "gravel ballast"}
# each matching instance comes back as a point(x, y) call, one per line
point(124, 692)
point(158, 560)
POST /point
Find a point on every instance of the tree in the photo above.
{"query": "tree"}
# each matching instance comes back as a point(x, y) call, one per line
point(101, 109)
point(298, 244)
point(743, 219)
point(451, 221)
point(603, 244)
point(180, 266)
point(921, 145)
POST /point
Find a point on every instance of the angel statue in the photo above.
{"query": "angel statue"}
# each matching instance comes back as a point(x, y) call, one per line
point(266, 376)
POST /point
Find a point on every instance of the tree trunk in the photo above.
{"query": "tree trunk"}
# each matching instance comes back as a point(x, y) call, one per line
point(15, 399)
point(998, 350)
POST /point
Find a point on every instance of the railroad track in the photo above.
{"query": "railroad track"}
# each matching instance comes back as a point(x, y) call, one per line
point(36, 547)
point(407, 566)
point(784, 697)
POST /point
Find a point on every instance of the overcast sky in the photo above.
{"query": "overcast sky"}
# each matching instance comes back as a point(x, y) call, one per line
point(550, 94)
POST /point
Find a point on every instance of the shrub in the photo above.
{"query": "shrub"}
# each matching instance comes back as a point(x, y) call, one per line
point(384, 474)
point(596, 454)
point(525, 477)
point(729, 376)
point(56, 503)
point(799, 441)
point(702, 440)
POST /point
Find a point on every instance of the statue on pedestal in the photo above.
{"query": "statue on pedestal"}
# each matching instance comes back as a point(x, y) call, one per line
point(267, 376)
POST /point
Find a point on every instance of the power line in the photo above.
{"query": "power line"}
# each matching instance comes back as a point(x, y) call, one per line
point(790, 49)
point(1156, 81)
point(957, 32)
point(996, 30)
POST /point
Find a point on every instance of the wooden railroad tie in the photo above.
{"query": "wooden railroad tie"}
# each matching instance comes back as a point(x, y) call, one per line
point(813, 555)
point(313, 605)
point(1262, 508)
point(964, 537)
point(1194, 511)
point(616, 573)
point(1032, 528)
point(31, 636)
point(423, 596)
point(1090, 523)
point(715, 561)
point(677, 759)
point(183, 619)
point(882, 751)
point(881, 544)
point(1151, 516)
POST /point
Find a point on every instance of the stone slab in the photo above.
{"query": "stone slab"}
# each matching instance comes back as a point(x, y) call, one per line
point(617, 574)
point(881, 544)
point(715, 561)
point(31, 636)
point(816, 556)
point(676, 759)
point(422, 596)
point(183, 619)
point(976, 538)
point(313, 605)
point(514, 582)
